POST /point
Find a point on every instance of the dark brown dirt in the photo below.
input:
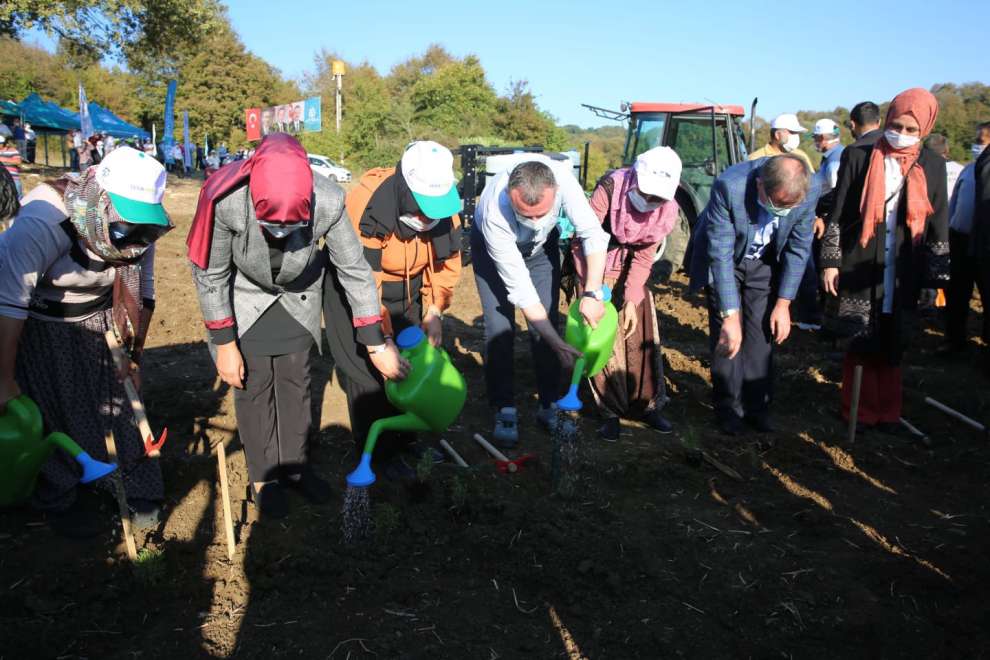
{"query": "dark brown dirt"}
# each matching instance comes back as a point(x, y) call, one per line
point(823, 550)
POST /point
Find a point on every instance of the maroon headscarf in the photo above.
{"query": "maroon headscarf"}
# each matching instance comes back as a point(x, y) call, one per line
point(281, 184)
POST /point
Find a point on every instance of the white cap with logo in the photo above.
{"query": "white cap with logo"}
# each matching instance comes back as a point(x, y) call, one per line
point(658, 171)
point(788, 121)
point(428, 170)
point(135, 183)
point(826, 127)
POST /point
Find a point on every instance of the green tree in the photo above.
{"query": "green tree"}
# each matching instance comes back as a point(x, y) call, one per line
point(456, 99)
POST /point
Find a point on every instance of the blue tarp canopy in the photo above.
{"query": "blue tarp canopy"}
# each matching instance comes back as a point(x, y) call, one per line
point(43, 114)
point(105, 121)
point(9, 108)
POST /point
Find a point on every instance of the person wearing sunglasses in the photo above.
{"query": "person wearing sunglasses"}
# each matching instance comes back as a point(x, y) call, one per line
point(748, 250)
point(77, 262)
point(887, 239)
point(258, 266)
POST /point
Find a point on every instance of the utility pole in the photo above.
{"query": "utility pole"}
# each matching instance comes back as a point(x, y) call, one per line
point(337, 69)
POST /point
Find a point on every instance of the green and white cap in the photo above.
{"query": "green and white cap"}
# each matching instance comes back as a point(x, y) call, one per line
point(135, 183)
point(428, 170)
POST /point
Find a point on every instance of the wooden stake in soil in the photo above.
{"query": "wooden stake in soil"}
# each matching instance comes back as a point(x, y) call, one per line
point(453, 453)
point(118, 487)
point(228, 521)
point(854, 406)
point(955, 413)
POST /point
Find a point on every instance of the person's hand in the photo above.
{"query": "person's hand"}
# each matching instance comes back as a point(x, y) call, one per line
point(433, 327)
point(230, 364)
point(592, 310)
point(628, 319)
point(730, 338)
point(818, 228)
point(830, 281)
point(8, 391)
point(780, 321)
point(389, 363)
point(566, 353)
point(130, 370)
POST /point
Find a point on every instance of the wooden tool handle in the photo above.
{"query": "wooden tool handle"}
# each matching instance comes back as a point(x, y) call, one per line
point(118, 487)
point(119, 359)
point(496, 454)
point(453, 454)
point(228, 520)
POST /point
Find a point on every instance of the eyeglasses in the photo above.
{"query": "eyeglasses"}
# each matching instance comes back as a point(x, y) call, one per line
point(126, 234)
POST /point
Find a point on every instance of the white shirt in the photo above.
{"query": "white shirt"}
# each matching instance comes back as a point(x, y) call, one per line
point(764, 234)
point(893, 181)
point(510, 243)
point(952, 172)
point(961, 205)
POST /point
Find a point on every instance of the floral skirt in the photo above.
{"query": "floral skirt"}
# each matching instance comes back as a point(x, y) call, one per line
point(67, 370)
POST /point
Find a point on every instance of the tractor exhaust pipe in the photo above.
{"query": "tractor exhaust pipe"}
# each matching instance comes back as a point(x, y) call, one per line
point(752, 125)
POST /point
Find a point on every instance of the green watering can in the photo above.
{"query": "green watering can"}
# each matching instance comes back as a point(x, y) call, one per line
point(595, 344)
point(431, 397)
point(23, 450)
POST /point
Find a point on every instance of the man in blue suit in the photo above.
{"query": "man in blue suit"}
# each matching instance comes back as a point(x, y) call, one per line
point(749, 250)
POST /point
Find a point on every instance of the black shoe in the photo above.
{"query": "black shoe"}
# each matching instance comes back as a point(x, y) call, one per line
point(658, 422)
point(731, 425)
point(315, 489)
point(145, 514)
point(761, 423)
point(271, 500)
point(609, 431)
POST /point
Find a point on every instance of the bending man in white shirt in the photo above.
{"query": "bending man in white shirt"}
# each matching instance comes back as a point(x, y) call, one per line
point(514, 243)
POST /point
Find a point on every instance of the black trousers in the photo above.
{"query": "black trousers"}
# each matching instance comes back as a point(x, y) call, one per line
point(273, 414)
point(964, 272)
point(500, 323)
point(744, 385)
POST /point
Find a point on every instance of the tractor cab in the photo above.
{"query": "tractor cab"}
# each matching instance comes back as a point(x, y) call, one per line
point(708, 139)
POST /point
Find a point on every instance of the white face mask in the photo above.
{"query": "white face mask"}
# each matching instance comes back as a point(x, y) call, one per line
point(639, 202)
point(899, 140)
point(791, 143)
point(534, 223)
point(416, 223)
point(978, 149)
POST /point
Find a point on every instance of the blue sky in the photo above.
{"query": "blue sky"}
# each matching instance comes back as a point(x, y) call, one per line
point(793, 56)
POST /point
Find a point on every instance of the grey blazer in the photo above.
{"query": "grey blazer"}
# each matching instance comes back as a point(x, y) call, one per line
point(236, 287)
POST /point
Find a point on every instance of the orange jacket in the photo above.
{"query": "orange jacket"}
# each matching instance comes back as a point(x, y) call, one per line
point(403, 260)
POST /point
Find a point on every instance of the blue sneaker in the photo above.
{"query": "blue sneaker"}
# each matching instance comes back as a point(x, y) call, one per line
point(506, 432)
point(547, 417)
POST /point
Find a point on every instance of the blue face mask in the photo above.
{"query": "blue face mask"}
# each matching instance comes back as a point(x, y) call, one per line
point(774, 210)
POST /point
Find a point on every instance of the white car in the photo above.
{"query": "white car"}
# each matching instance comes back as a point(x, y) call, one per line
point(326, 167)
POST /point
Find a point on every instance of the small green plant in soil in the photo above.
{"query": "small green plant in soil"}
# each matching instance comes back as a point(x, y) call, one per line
point(458, 493)
point(424, 467)
point(149, 567)
point(386, 521)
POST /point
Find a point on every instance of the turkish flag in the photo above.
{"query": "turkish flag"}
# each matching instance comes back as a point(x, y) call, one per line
point(252, 121)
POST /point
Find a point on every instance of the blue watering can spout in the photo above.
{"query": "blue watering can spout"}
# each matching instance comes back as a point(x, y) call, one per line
point(362, 476)
point(571, 402)
point(92, 468)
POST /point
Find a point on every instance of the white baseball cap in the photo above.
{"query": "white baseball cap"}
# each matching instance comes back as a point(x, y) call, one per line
point(135, 183)
point(658, 171)
point(428, 170)
point(788, 121)
point(826, 127)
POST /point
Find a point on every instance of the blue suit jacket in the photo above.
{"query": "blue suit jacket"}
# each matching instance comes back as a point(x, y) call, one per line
point(725, 230)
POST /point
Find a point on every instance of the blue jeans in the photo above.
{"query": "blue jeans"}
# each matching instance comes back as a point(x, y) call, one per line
point(500, 323)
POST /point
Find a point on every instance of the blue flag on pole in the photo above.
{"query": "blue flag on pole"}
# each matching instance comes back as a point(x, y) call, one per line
point(312, 119)
point(85, 121)
point(167, 140)
point(186, 144)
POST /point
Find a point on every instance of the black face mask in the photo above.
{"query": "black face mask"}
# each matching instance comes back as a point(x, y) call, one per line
point(126, 234)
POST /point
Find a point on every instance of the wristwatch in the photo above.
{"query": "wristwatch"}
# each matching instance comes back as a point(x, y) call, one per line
point(727, 313)
point(597, 294)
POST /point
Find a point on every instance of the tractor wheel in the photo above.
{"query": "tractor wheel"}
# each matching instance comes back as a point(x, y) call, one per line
point(670, 256)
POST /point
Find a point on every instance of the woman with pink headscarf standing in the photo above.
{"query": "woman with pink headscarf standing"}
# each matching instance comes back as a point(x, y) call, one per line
point(887, 240)
point(637, 209)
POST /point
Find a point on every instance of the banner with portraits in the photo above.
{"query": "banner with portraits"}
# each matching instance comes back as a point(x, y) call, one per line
point(294, 117)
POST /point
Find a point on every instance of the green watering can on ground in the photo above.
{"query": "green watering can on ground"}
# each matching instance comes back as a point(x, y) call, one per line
point(595, 344)
point(23, 450)
point(431, 397)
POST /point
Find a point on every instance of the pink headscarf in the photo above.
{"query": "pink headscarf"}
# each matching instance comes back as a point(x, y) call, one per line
point(629, 226)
